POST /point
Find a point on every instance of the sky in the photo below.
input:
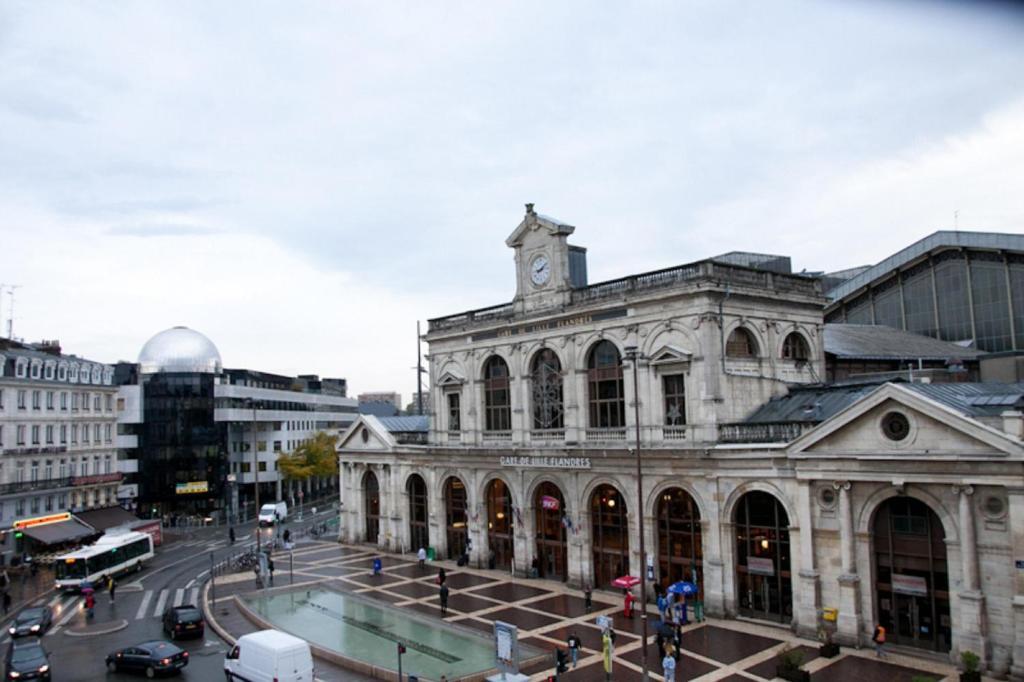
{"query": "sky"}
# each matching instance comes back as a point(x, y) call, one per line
point(303, 181)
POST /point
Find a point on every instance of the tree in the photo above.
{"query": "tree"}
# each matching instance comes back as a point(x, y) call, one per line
point(316, 457)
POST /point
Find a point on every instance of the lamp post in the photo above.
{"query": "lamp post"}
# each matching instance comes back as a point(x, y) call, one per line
point(633, 355)
point(256, 475)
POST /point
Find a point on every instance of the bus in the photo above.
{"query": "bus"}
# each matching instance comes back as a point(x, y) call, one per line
point(113, 554)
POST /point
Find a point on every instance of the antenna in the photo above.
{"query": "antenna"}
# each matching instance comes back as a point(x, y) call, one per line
point(419, 372)
point(10, 315)
point(956, 219)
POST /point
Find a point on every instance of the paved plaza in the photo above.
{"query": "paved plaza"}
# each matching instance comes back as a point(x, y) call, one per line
point(547, 612)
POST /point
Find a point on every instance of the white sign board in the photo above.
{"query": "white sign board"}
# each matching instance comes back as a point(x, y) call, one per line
point(545, 462)
point(760, 565)
point(913, 585)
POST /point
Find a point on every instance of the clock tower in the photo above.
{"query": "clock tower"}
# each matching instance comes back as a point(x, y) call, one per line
point(548, 268)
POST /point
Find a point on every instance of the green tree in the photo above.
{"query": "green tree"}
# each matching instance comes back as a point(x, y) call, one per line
point(317, 457)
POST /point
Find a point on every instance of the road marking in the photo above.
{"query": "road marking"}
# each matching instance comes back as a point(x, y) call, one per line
point(141, 613)
point(194, 596)
point(160, 603)
point(72, 611)
point(56, 598)
point(179, 594)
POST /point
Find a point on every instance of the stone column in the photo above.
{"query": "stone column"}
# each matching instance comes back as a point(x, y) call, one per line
point(1016, 519)
point(969, 631)
point(713, 534)
point(850, 622)
point(809, 592)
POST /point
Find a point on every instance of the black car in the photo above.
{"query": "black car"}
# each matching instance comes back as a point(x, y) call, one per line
point(34, 621)
point(153, 658)
point(183, 621)
point(27, 660)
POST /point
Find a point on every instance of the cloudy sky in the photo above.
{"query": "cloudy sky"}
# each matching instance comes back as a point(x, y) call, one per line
point(303, 181)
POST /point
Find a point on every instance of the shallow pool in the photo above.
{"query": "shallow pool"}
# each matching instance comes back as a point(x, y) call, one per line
point(370, 631)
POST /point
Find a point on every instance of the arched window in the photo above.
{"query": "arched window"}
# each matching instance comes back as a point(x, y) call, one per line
point(741, 344)
point(419, 533)
point(609, 535)
point(604, 382)
point(497, 397)
point(456, 517)
point(795, 348)
point(371, 499)
point(546, 379)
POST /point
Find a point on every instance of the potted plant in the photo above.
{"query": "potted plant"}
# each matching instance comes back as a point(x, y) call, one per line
point(970, 661)
point(789, 666)
point(828, 648)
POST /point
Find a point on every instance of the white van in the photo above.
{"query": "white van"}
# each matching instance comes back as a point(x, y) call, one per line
point(273, 512)
point(269, 656)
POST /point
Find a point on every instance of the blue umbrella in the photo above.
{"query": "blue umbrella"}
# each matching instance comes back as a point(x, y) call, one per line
point(683, 587)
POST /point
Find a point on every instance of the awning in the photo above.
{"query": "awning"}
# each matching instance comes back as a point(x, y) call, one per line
point(110, 517)
point(59, 533)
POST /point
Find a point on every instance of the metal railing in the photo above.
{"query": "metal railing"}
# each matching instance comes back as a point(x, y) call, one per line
point(775, 432)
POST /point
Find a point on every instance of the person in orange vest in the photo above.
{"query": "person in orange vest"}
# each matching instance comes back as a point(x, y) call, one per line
point(628, 600)
point(879, 639)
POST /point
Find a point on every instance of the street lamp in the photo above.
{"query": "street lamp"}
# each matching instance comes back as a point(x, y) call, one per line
point(255, 473)
point(634, 356)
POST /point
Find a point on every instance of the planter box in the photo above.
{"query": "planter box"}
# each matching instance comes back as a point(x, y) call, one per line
point(974, 676)
point(829, 650)
point(792, 675)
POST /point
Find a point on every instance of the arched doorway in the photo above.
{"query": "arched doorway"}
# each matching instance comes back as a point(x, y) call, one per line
point(763, 577)
point(680, 550)
point(371, 507)
point(911, 574)
point(419, 534)
point(499, 525)
point(549, 509)
point(609, 535)
point(455, 517)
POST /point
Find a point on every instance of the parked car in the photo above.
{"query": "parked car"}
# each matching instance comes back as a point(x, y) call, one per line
point(34, 621)
point(26, 660)
point(183, 621)
point(152, 658)
point(269, 656)
point(272, 513)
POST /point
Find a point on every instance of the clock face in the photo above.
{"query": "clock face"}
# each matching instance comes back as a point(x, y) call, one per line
point(540, 270)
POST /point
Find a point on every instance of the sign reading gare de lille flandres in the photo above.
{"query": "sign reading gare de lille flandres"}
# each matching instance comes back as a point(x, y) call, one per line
point(545, 462)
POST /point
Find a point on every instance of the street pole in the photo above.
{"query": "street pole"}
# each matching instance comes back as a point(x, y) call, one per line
point(633, 355)
point(213, 583)
point(256, 476)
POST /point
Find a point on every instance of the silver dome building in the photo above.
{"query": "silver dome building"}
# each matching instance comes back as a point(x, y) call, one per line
point(179, 349)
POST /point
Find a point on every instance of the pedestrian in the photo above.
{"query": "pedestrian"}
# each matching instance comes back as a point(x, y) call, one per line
point(680, 618)
point(441, 576)
point(111, 586)
point(574, 648)
point(231, 534)
point(659, 639)
point(256, 570)
point(628, 599)
point(668, 667)
point(588, 598)
point(879, 639)
point(607, 652)
point(535, 568)
point(444, 598)
point(422, 557)
point(270, 567)
point(677, 642)
point(7, 602)
point(90, 604)
point(662, 605)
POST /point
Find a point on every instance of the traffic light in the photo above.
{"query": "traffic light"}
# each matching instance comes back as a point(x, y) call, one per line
point(401, 648)
point(561, 661)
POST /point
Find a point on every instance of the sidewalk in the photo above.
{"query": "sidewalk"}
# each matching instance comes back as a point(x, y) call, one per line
point(25, 589)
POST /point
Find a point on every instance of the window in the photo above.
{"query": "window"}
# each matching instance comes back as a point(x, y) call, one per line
point(62, 501)
point(1, 398)
point(1, 444)
point(546, 385)
point(49, 370)
point(741, 344)
point(261, 446)
point(85, 402)
point(37, 400)
point(49, 400)
point(34, 473)
point(454, 412)
point(106, 464)
point(49, 469)
point(64, 400)
point(674, 390)
point(21, 399)
point(49, 434)
point(21, 368)
point(108, 403)
point(34, 504)
point(63, 434)
point(605, 387)
point(95, 433)
point(795, 348)
point(74, 433)
point(895, 426)
point(35, 434)
point(74, 402)
point(246, 467)
point(497, 396)
point(35, 370)
point(277, 446)
point(107, 433)
point(20, 432)
point(62, 373)
point(263, 466)
point(19, 507)
point(63, 469)
point(96, 402)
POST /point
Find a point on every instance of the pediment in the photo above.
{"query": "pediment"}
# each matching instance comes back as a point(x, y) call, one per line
point(670, 354)
point(536, 221)
point(934, 431)
point(366, 434)
point(451, 378)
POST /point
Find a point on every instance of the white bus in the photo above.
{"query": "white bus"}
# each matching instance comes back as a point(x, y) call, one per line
point(113, 554)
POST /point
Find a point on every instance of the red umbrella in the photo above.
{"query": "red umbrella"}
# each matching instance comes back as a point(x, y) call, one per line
point(626, 581)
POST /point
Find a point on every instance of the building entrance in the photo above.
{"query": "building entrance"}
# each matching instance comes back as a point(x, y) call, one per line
point(763, 577)
point(419, 533)
point(911, 575)
point(548, 510)
point(499, 526)
point(680, 551)
point(609, 535)
point(371, 501)
point(455, 517)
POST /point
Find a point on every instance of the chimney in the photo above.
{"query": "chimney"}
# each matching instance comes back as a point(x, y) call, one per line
point(1013, 423)
point(529, 209)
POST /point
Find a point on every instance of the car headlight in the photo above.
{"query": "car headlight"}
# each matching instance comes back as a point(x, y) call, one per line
point(12, 630)
point(14, 675)
point(35, 628)
point(43, 668)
